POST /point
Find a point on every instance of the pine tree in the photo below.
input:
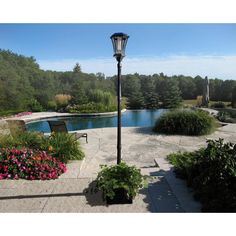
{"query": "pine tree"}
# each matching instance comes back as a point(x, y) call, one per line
point(170, 95)
point(131, 88)
point(149, 93)
point(77, 68)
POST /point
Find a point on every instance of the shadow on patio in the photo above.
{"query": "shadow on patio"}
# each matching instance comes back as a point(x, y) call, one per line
point(159, 195)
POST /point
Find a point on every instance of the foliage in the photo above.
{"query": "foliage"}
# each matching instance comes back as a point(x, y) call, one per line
point(7, 141)
point(226, 116)
point(211, 172)
point(183, 162)
point(52, 105)
point(169, 93)
point(187, 87)
point(32, 140)
point(151, 98)
point(62, 146)
point(62, 100)
point(119, 176)
point(230, 111)
point(34, 106)
point(185, 122)
point(100, 101)
point(28, 164)
point(21, 81)
point(218, 105)
point(91, 108)
point(77, 68)
point(131, 89)
point(99, 96)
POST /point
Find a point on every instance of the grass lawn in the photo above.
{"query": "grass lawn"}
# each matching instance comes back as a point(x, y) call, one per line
point(193, 102)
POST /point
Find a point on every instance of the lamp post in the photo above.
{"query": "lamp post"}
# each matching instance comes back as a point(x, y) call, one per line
point(119, 41)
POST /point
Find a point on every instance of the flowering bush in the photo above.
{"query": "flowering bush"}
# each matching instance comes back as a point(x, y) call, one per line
point(25, 113)
point(27, 164)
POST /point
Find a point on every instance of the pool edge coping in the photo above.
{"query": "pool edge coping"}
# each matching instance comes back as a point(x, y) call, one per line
point(44, 116)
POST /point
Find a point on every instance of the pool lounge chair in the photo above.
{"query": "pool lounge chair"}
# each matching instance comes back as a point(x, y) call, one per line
point(60, 126)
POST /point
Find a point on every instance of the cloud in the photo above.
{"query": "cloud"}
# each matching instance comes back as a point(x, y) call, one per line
point(223, 67)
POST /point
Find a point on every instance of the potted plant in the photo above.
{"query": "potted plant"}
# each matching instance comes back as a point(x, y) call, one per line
point(120, 183)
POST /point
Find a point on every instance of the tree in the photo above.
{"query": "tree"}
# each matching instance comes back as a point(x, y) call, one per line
point(226, 90)
point(215, 89)
point(169, 93)
point(131, 88)
point(77, 68)
point(150, 96)
point(187, 87)
point(24, 85)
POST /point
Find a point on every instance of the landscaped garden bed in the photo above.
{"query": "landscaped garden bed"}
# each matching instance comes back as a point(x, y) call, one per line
point(227, 115)
point(33, 156)
point(211, 172)
point(28, 164)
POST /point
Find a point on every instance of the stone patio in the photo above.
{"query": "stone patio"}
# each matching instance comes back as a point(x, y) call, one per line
point(75, 191)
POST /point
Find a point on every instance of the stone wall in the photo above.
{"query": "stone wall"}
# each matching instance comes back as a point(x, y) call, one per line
point(13, 127)
point(4, 128)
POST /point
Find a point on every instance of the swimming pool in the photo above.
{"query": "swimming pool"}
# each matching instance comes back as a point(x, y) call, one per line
point(130, 118)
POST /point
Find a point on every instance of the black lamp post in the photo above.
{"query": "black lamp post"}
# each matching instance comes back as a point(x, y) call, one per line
point(119, 41)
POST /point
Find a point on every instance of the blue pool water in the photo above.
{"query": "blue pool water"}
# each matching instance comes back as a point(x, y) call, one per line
point(130, 118)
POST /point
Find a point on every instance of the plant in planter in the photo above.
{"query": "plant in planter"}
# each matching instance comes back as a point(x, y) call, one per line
point(120, 183)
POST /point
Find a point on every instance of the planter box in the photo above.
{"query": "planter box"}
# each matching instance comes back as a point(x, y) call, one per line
point(120, 197)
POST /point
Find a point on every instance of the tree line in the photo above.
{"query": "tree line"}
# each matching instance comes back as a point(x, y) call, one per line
point(24, 86)
point(159, 90)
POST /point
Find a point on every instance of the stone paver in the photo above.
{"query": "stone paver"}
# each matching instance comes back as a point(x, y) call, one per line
point(74, 190)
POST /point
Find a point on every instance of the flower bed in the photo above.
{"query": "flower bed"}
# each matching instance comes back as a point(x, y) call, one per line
point(25, 113)
point(28, 164)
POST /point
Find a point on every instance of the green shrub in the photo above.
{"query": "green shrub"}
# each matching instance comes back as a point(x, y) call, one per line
point(34, 106)
point(63, 146)
point(52, 105)
point(91, 108)
point(119, 176)
point(99, 96)
point(7, 141)
point(230, 111)
point(218, 105)
point(183, 162)
point(32, 140)
point(224, 116)
point(185, 122)
point(211, 172)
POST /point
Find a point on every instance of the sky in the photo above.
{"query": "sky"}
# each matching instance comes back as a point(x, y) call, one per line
point(174, 49)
